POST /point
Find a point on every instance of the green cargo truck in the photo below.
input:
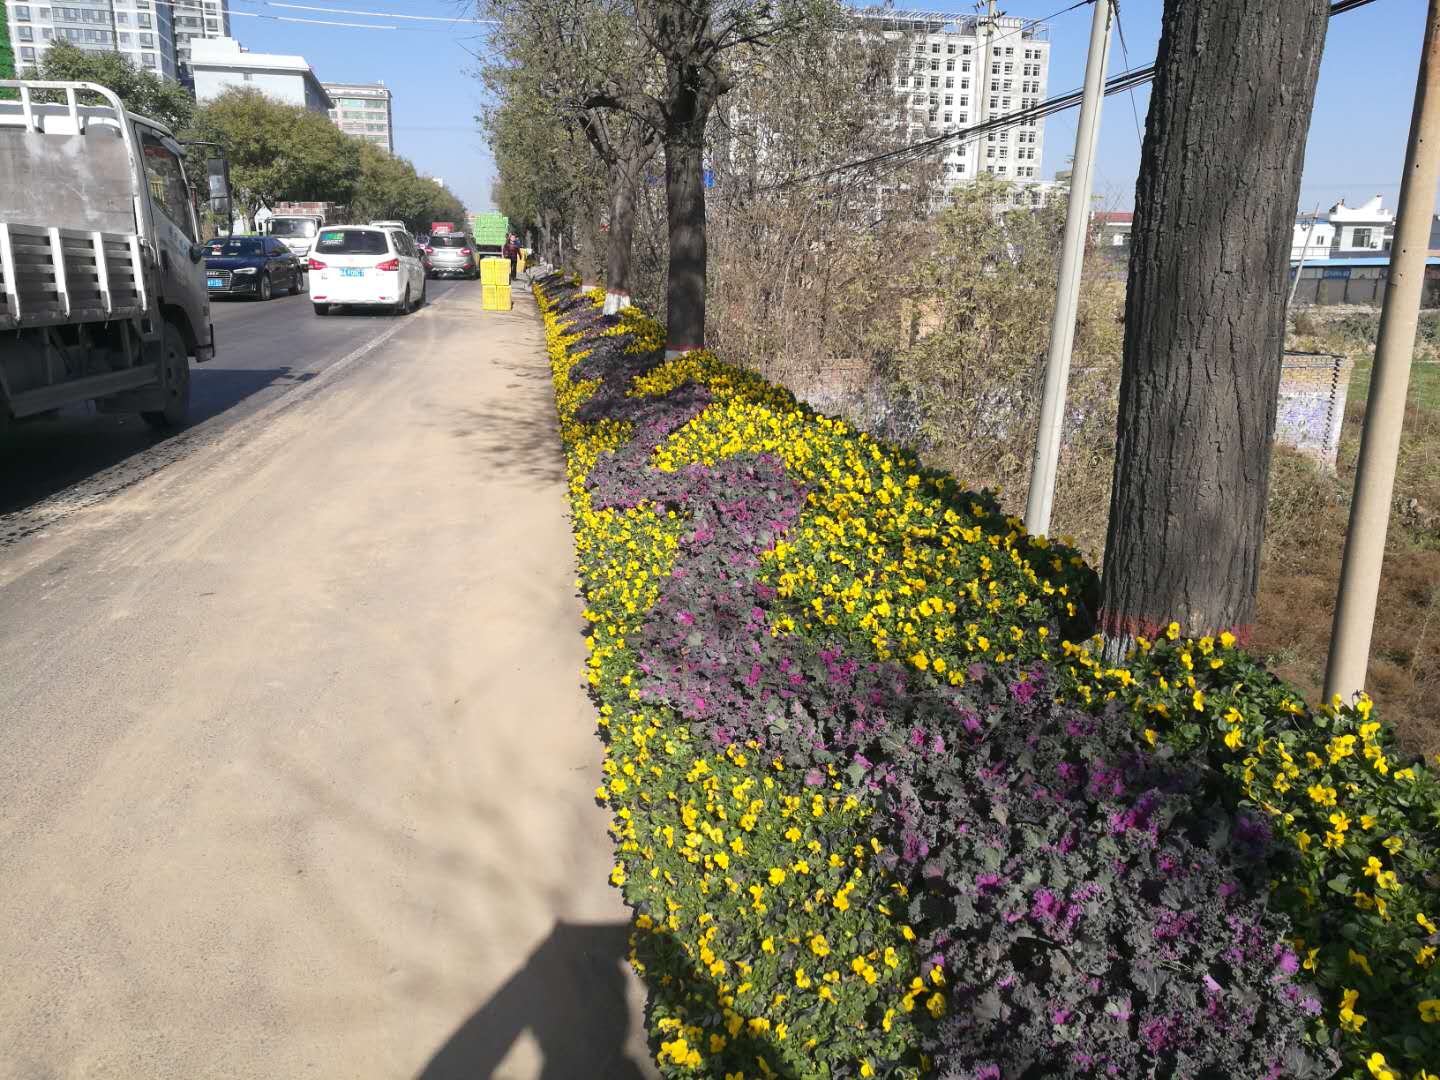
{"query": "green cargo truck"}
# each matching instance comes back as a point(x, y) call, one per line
point(489, 230)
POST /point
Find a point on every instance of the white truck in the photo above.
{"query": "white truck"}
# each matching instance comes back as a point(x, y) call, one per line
point(102, 288)
point(295, 231)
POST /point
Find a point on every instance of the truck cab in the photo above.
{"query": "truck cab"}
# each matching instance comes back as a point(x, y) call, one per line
point(102, 291)
point(295, 231)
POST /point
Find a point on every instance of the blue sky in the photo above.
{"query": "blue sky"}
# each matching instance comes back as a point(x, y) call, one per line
point(1357, 137)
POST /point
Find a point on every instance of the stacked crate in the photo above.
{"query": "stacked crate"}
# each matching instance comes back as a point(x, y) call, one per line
point(495, 283)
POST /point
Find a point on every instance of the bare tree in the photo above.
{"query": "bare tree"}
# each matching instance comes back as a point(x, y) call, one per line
point(1205, 312)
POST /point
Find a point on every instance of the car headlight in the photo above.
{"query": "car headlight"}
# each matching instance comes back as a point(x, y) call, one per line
point(244, 270)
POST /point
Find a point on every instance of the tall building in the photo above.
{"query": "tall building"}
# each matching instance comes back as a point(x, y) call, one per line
point(141, 30)
point(955, 71)
point(363, 110)
point(196, 19)
point(220, 64)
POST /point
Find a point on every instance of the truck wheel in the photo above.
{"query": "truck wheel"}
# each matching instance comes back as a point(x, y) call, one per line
point(322, 309)
point(267, 290)
point(175, 364)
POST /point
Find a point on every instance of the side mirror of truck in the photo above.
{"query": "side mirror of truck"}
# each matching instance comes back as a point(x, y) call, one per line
point(197, 252)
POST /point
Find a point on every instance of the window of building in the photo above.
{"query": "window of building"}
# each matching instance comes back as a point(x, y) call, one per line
point(22, 12)
point(950, 48)
point(934, 82)
point(935, 47)
point(949, 118)
point(949, 65)
point(934, 65)
point(25, 33)
point(949, 83)
point(963, 117)
point(1009, 50)
point(1361, 238)
point(148, 59)
point(27, 53)
point(949, 99)
point(147, 41)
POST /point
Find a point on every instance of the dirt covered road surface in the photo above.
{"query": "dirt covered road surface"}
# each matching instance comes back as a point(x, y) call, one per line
point(296, 776)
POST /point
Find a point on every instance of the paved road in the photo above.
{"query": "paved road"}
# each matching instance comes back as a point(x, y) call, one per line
point(264, 351)
point(295, 772)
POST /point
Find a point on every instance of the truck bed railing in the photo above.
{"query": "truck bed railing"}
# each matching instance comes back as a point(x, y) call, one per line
point(50, 276)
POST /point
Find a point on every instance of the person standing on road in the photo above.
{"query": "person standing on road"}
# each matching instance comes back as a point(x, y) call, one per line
point(511, 251)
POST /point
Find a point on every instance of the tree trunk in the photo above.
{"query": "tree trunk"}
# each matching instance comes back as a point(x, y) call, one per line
point(619, 253)
point(685, 209)
point(1205, 313)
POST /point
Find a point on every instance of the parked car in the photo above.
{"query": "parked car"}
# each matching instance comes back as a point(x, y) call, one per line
point(362, 266)
point(256, 266)
point(452, 255)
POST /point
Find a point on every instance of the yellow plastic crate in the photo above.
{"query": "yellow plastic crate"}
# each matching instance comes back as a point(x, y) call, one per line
point(497, 297)
point(495, 271)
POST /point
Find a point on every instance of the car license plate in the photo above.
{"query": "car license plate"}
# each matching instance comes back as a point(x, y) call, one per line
point(214, 282)
point(348, 272)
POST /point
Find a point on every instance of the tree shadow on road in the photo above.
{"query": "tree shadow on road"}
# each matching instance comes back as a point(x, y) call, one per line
point(570, 996)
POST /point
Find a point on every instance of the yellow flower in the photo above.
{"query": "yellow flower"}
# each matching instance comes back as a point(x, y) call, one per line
point(936, 1004)
point(1227, 640)
point(1321, 794)
point(1350, 1020)
point(1430, 1010)
point(1376, 1064)
point(1373, 866)
point(777, 876)
point(1197, 701)
point(819, 946)
point(1150, 736)
point(1425, 956)
point(1424, 921)
point(1172, 631)
point(1358, 960)
point(866, 1069)
point(1233, 739)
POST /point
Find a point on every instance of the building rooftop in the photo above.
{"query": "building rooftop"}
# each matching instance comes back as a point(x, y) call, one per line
point(943, 22)
point(227, 54)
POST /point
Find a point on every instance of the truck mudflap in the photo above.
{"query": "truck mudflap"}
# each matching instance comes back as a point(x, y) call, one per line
point(206, 352)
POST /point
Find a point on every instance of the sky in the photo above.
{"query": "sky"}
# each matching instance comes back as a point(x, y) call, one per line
point(1357, 139)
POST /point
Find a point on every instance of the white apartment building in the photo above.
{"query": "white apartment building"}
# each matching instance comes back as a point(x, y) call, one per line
point(962, 70)
point(140, 30)
point(197, 19)
point(220, 64)
point(363, 110)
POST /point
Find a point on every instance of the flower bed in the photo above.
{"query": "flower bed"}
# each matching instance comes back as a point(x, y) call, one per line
point(877, 814)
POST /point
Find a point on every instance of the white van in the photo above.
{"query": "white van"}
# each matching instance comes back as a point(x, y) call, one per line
point(364, 266)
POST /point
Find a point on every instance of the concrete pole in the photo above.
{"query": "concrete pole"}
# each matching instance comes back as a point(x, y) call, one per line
point(1041, 499)
point(1389, 383)
point(1304, 251)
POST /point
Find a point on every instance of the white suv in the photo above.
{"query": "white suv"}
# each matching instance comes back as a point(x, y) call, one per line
point(363, 266)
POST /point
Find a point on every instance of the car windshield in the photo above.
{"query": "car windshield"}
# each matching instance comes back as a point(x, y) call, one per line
point(237, 246)
point(449, 241)
point(292, 227)
point(351, 242)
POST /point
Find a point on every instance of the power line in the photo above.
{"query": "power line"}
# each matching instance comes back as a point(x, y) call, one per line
point(1125, 52)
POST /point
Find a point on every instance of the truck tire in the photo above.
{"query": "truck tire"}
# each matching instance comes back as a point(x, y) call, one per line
point(175, 361)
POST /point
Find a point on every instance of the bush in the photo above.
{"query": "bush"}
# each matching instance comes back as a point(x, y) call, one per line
point(875, 812)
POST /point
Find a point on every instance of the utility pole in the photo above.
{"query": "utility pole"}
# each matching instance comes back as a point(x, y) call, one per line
point(1041, 498)
point(1304, 251)
point(982, 81)
point(1389, 383)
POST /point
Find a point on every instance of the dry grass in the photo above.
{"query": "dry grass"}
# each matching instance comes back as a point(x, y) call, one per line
point(1305, 540)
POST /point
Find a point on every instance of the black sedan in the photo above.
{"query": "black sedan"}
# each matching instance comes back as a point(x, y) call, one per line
point(258, 266)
